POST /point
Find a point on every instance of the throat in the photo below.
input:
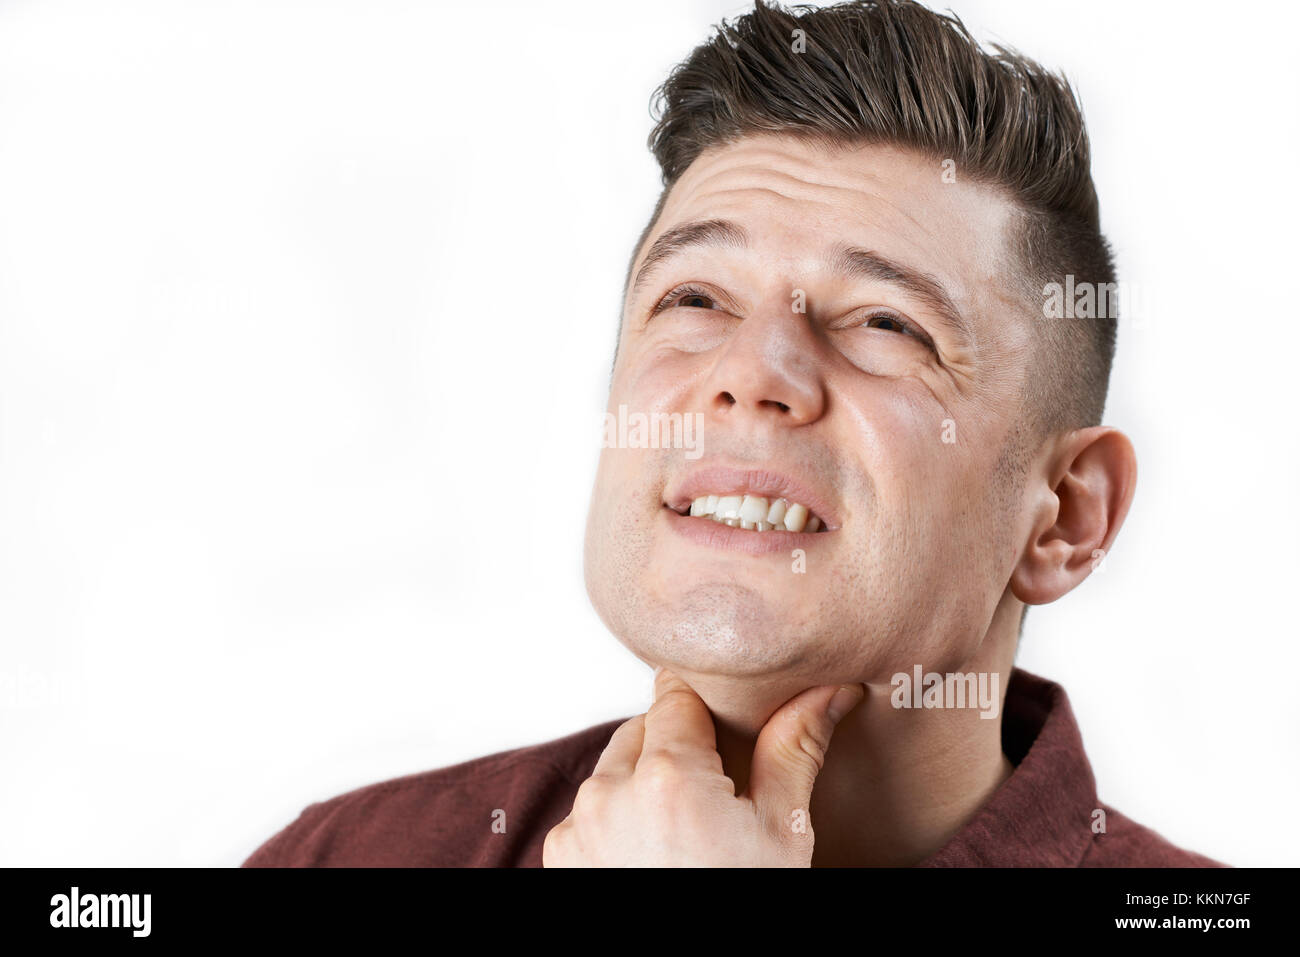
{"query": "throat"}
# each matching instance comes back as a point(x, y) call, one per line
point(894, 794)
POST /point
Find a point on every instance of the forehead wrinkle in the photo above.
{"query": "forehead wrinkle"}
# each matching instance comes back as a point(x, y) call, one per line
point(853, 183)
point(728, 197)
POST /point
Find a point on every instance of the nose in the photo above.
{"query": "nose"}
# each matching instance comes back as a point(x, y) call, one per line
point(769, 370)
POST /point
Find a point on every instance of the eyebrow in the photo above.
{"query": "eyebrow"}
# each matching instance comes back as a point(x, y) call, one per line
point(845, 260)
point(865, 264)
point(709, 232)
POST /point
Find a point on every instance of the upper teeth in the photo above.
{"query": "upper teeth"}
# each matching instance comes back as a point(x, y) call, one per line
point(756, 513)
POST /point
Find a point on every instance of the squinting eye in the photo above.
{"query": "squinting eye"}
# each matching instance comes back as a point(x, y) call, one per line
point(690, 297)
point(887, 320)
point(888, 323)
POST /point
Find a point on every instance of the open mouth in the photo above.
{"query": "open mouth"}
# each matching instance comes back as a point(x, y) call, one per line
point(753, 513)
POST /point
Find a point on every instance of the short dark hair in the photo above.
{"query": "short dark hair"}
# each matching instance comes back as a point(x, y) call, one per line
point(895, 72)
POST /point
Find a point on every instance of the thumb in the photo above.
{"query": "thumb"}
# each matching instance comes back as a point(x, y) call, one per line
point(791, 749)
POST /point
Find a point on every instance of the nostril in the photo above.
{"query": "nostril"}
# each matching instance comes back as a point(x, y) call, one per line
point(727, 398)
point(780, 405)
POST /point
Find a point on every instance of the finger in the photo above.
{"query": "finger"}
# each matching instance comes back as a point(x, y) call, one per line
point(619, 757)
point(791, 749)
point(556, 844)
point(678, 725)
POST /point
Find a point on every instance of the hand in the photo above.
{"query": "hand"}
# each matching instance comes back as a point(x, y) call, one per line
point(658, 796)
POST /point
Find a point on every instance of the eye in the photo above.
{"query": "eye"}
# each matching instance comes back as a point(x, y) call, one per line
point(892, 322)
point(887, 321)
point(688, 296)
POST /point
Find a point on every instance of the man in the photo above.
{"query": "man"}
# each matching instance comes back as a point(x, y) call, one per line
point(848, 283)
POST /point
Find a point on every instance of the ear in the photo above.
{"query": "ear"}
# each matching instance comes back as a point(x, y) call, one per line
point(1080, 506)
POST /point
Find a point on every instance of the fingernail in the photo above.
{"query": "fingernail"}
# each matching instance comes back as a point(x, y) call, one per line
point(843, 701)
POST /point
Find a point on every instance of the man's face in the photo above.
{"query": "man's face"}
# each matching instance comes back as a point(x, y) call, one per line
point(813, 340)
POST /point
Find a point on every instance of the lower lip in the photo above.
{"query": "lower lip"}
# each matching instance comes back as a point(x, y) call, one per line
point(705, 531)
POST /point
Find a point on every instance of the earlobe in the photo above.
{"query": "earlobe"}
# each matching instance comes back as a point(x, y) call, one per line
point(1082, 504)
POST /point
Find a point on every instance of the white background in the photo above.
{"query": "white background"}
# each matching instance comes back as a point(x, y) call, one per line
point(306, 318)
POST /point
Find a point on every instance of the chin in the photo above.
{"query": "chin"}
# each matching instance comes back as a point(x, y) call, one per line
point(725, 629)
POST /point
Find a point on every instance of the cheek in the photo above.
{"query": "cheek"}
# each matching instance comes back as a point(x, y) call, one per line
point(620, 496)
point(607, 528)
point(660, 381)
point(615, 543)
point(896, 429)
point(930, 536)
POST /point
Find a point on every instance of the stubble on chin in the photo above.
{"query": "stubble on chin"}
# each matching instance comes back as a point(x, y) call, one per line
point(722, 628)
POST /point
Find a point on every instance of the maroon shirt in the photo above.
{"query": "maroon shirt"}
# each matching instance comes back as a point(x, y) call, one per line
point(1041, 816)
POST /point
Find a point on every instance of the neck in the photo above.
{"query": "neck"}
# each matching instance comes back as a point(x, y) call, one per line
point(899, 783)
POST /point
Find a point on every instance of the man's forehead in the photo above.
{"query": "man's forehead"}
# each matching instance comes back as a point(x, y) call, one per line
point(800, 202)
point(874, 185)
